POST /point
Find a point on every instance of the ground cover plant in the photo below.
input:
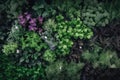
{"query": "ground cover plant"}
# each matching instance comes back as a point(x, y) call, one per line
point(59, 39)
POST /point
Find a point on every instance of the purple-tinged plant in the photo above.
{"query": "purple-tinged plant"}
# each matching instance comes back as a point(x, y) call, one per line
point(40, 19)
point(33, 24)
point(40, 30)
point(32, 21)
point(22, 21)
point(28, 16)
point(20, 17)
point(32, 28)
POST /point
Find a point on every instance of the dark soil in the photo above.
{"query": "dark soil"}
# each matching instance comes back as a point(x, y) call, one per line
point(89, 73)
point(109, 36)
point(76, 51)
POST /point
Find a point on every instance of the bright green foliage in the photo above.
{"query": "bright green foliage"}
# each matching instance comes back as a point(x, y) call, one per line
point(66, 30)
point(59, 32)
point(60, 70)
point(32, 47)
point(33, 41)
point(10, 48)
point(73, 28)
point(64, 46)
point(100, 58)
point(49, 56)
point(94, 14)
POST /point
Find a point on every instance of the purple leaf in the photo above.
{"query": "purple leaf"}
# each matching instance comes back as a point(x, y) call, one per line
point(32, 21)
point(32, 28)
point(28, 16)
point(40, 30)
point(22, 21)
point(40, 19)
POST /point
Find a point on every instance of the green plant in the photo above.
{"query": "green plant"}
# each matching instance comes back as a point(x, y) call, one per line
point(15, 33)
point(43, 9)
point(47, 35)
point(113, 8)
point(73, 71)
point(66, 30)
point(71, 9)
point(94, 14)
point(54, 71)
point(20, 73)
point(49, 56)
point(32, 40)
point(10, 48)
point(60, 70)
point(101, 58)
point(30, 50)
point(12, 8)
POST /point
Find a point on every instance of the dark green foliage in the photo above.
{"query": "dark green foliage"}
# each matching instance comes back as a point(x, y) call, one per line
point(65, 25)
point(113, 8)
point(70, 9)
point(8, 71)
point(43, 9)
point(109, 36)
point(94, 14)
point(100, 58)
point(67, 7)
point(60, 70)
point(12, 8)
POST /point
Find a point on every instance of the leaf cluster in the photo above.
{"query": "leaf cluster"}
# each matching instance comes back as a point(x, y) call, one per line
point(94, 14)
point(100, 58)
point(60, 70)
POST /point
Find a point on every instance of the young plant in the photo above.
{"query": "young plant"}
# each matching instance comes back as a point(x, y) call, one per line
point(10, 48)
point(49, 56)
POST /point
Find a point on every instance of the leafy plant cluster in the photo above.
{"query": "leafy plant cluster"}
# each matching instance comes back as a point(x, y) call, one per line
point(13, 72)
point(12, 8)
point(100, 58)
point(113, 8)
point(94, 14)
point(29, 23)
point(43, 47)
point(10, 48)
point(61, 70)
point(66, 30)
